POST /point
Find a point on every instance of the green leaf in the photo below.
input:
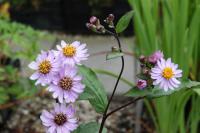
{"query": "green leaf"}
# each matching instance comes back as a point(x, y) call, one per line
point(93, 88)
point(197, 91)
point(91, 127)
point(124, 21)
point(113, 55)
point(85, 96)
point(157, 92)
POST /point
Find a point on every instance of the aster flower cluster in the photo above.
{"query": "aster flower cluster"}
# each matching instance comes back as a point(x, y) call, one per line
point(57, 69)
point(156, 71)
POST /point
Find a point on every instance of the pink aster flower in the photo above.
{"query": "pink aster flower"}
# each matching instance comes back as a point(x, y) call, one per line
point(67, 85)
point(155, 57)
point(72, 53)
point(165, 74)
point(46, 66)
point(141, 84)
point(59, 120)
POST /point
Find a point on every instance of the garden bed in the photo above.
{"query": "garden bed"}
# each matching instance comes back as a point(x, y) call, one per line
point(25, 118)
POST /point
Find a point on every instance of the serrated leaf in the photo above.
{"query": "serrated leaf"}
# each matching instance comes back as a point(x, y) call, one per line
point(157, 92)
point(91, 127)
point(94, 88)
point(124, 22)
point(113, 55)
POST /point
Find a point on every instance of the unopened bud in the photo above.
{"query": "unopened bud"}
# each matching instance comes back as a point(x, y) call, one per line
point(145, 71)
point(142, 65)
point(101, 29)
point(141, 84)
point(111, 17)
point(109, 20)
point(90, 26)
point(142, 58)
point(93, 20)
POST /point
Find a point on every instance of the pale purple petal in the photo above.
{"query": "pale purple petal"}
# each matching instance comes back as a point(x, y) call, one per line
point(33, 65)
point(164, 83)
point(63, 43)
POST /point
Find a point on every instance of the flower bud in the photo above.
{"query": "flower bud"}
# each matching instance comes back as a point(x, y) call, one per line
point(93, 20)
point(142, 65)
point(101, 29)
point(141, 84)
point(142, 58)
point(145, 71)
point(155, 57)
point(109, 20)
point(111, 17)
point(91, 26)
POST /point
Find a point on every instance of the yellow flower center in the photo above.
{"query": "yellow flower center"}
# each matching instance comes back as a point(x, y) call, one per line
point(45, 67)
point(69, 51)
point(167, 73)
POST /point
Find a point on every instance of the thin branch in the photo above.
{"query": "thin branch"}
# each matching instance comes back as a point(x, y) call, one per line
point(123, 106)
point(114, 90)
point(105, 52)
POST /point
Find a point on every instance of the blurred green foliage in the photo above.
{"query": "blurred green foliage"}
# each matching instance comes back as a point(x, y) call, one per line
point(172, 26)
point(19, 44)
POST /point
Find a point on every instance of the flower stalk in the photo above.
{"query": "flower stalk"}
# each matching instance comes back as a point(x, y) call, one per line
point(117, 82)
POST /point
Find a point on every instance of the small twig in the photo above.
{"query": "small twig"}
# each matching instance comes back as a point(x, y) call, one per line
point(123, 106)
point(105, 52)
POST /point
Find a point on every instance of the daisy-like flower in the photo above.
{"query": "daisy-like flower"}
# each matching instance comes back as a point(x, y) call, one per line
point(67, 85)
point(46, 66)
point(165, 74)
point(59, 120)
point(72, 53)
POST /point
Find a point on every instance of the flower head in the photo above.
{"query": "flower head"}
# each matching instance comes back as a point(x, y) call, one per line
point(59, 120)
point(67, 85)
point(46, 66)
point(72, 54)
point(141, 84)
point(155, 57)
point(165, 74)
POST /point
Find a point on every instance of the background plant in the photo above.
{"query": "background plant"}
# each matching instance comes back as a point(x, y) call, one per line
point(18, 44)
point(172, 26)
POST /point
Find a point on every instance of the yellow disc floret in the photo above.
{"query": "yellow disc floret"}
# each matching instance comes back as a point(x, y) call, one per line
point(69, 51)
point(45, 67)
point(168, 73)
